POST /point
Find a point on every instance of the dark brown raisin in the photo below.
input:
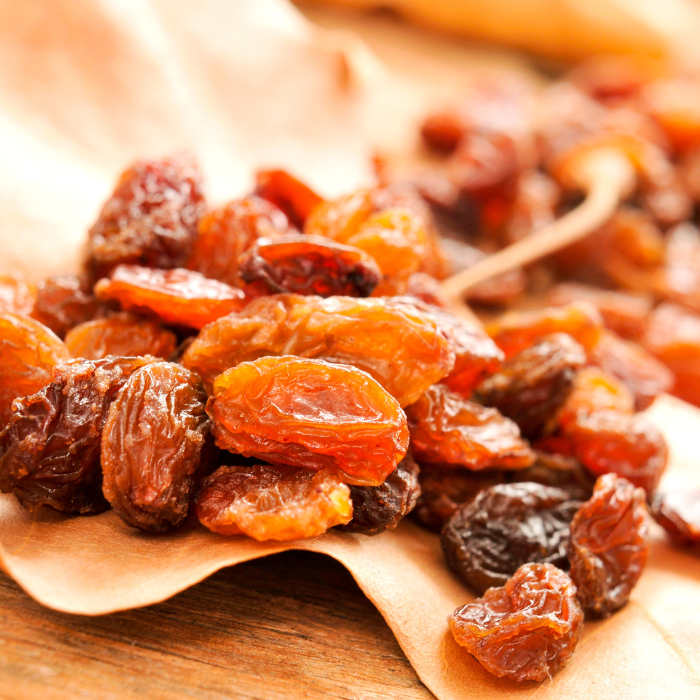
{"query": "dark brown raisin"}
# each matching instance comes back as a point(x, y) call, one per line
point(678, 512)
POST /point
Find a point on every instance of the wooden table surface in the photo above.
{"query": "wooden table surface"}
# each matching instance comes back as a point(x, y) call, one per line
point(294, 625)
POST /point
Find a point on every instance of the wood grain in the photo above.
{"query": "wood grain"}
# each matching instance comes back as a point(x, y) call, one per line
point(294, 625)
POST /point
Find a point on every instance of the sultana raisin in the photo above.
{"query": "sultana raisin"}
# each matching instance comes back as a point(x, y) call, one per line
point(292, 196)
point(379, 508)
point(28, 352)
point(50, 449)
point(150, 219)
point(525, 630)
point(678, 512)
point(178, 296)
point(153, 446)
point(17, 296)
point(308, 265)
point(309, 413)
point(227, 232)
point(121, 335)
point(448, 429)
point(532, 386)
point(267, 502)
point(399, 346)
point(534, 206)
point(505, 526)
point(609, 545)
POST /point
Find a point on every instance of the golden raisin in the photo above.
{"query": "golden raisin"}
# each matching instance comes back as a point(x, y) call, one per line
point(17, 296)
point(292, 196)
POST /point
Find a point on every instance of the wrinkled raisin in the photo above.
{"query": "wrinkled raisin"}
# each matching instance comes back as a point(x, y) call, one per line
point(292, 196)
point(17, 296)
point(678, 512)
point(448, 429)
point(152, 446)
point(272, 503)
point(525, 630)
point(609, 545)
point(309, 413)
point(504, 527)
point(50, 450)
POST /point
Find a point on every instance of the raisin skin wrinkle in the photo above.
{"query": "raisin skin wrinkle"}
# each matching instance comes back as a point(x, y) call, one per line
point(531, 387)
point(267, 502)
point(448, 429)
point(150, 219)
point(28, 352)
point(152, 446)
point(50, 449)
point(504, 527)
point(308, 265)
point(312, 414)
point(678, 512)
point(379, 508)
point(525, 630)
point(178, 296)
point(399, 347)
point(609, 545)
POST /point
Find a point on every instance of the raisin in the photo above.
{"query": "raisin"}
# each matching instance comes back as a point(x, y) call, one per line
point(504, 527)
point(308, 265)
point(17, 296)
point(623, 313)
point(635, 367)
point(292, 196)
point(399, 346)
point(534, 206)
point(50, 450)
point(121, 335)
point(342, 218)
point(227, 232)
point(525, 630)
point(272, 503)
point(152, 446)
point(609, 545)
point(445, 489)
point(613, 77)
point(178, 296)
point(675, 104)
point(426, 289)
point(518, 330)
point(379, 508)
point(443, 131)
point(448, 429)
point(150, 219)
point(681, 275)
point(531, 387)
point(64, 301)
point(28, 352)
point(678, 512)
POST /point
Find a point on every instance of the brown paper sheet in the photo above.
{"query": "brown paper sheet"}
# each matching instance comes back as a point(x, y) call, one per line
point(84, 87)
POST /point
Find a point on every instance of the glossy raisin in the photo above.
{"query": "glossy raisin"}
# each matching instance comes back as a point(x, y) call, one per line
point(400, 347)
point(178, 296)
point(678, 512)
point(532, 386)
point(273, 503)
point(309, 413)
point(292, 196)
point(504, 527)
point(525, 630)
point(448, 429)
point(28, 353)
point(17, 295)
point(152, 446)
point(150, 219)
point(379, 508)
point(50, 449)
point(609, 545)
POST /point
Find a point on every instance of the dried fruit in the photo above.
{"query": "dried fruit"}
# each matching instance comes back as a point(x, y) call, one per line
point(448, 429)
point(609, 545)
point(531, 386)
point(272, 503)
point(227, 232)
point(152, 446)
point(678, 512)
point(292, 196)
point(17, 296)
point(121, 335)
point(504, 527)
point(309, 413)
point(150, 219)
point(426, 289)
point(308, 265)
point(176, 296)
point(28, 352)
point(50, 449)
point(526, 630)
point(534, 206)
point(379, 508)
point(399, 346)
